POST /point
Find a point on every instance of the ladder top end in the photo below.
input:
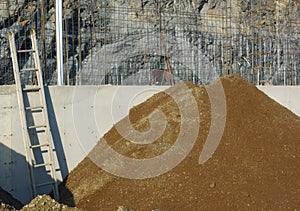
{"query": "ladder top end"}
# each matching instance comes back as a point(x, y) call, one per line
point(32, 32)
point(10, 33)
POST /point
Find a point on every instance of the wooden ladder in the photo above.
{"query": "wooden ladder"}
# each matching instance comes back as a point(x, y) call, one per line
point(39, 151)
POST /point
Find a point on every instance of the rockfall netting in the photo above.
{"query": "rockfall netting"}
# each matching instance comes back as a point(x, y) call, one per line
point(126, 41)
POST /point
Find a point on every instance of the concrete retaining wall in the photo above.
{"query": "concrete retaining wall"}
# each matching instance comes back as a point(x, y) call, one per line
point(79, 116)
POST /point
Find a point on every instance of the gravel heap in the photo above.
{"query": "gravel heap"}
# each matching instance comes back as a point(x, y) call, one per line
point(256, 165)
point(45, 202)
point(6, 207)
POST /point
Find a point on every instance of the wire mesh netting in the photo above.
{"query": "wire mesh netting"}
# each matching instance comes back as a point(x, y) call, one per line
point(139, 42)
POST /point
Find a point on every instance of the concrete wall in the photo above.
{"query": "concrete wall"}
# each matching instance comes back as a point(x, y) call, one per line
point(79, 116)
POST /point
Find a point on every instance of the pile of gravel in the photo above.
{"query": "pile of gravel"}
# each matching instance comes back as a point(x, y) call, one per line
point(45, 202)
point(255, 166)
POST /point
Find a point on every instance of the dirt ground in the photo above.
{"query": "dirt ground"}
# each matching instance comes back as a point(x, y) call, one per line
point(256, 165)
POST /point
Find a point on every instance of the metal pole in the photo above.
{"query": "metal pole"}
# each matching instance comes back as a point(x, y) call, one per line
point(59, 43)
point(79, 73)
point(44, 51)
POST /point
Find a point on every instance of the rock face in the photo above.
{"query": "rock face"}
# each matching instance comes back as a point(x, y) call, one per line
point(9, 9)
point(119, 42)
point(255, 166)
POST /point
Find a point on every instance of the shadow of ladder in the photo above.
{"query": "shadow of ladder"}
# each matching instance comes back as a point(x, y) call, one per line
point(39, 148)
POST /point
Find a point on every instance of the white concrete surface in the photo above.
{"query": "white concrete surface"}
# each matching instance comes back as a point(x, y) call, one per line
point(79, 116)
point(288, 96)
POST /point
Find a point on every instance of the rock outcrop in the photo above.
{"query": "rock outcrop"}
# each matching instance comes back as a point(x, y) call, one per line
point(119, 41)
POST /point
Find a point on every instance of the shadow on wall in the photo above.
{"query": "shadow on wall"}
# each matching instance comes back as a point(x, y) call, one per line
point(56, 136)
point(8, 158)
point(10, 173)
point(37, 136)
point(63, 191)
point(14, 171)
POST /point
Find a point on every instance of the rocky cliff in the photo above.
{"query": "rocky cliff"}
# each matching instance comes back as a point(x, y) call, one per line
point(120, 41)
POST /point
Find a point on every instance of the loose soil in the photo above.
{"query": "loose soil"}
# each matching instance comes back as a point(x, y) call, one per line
point(256, 165)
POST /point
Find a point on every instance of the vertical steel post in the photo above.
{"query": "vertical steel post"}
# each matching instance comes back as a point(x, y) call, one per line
point(59, 43)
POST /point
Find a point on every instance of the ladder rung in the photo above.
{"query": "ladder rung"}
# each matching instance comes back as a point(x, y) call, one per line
point(34, 107)
point(46, 183)
point(39, 145)
point(26, 51)
point(32, 89)
point(41, 165)
point(29, 69)
point(36, 126)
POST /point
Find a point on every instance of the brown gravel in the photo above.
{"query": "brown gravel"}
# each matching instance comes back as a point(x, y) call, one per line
point(6, 207)
point(256, 165)
point(44, 202)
